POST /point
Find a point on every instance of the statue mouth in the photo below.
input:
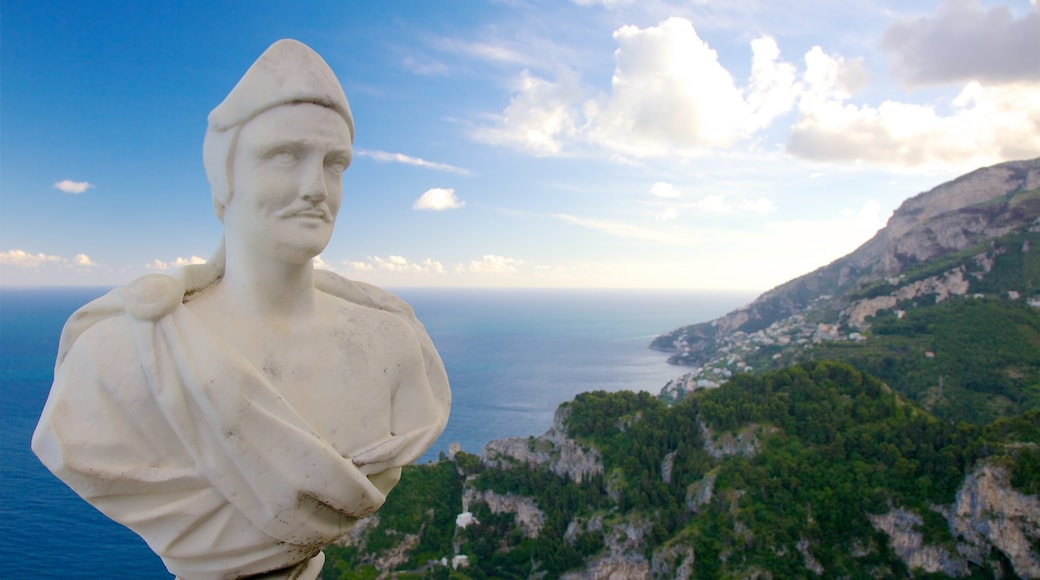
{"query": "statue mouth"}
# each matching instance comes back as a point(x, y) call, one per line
point(313, 213)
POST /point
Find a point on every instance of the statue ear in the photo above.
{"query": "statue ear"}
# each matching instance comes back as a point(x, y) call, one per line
point(218, 150)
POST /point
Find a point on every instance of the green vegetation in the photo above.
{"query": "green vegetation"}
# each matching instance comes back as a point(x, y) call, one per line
point(424, 505)
point(803, 458)
point(963, 359)
point(777, 473)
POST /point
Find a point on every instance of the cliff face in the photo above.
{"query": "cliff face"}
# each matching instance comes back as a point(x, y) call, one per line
point(562, 455)
point(987, 516)
point(970, 210)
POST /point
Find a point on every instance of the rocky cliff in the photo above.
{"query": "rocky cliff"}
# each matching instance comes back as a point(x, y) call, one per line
point(980, 206)
point(562, 455)
point(988, 516)
point(815, 470)
point(976, 238)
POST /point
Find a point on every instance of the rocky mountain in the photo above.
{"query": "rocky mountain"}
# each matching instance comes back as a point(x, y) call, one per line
point(975, 236)
point(877, 418)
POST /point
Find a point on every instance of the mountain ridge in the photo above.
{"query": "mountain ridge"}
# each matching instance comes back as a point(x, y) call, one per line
point(889, 428)
point(970, 237)
point(913, 234)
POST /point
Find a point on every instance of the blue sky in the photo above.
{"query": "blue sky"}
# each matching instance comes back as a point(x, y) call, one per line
point(648, 143)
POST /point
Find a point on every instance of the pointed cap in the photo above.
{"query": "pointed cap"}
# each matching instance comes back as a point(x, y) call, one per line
point(287, 72)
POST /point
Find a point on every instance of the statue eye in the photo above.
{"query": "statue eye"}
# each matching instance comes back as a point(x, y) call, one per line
point(282, 155)
point(337, 164)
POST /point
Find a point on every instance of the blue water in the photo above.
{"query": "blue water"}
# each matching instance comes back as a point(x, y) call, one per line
point(512, 357)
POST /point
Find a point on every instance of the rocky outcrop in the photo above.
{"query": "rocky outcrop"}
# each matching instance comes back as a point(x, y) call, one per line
point(951, 283)
point(745, 442)
point(667, 465)
point(673, 561)
point(988, 512)
point(986, 515)
point(564, 456)
point(388, 559)
point(810, 561)
point(613, 568)
point(529, 518)
point(624, 543)
point(907, 542)
point(700, 492)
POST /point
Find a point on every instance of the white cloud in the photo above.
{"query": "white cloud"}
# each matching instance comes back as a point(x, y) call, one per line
point(604, 3)
point(397, 264)
point(425, 66)
point(667, 214)
point(491, 264)
point(668, 92)
point(773, 88)
point(671, 97)
point(362, 266)
point(409, 160)
point(74, 187)
point(619, 229)
point(539, 115)
point(83, 260)
point(664, 190)
point(986, 125)
point(494, 52)
point(438, 199)
point(964, 42)
point(24, 259)
point(720, 205)
point(759, 206)
point(983, 124)
point(715, 204)
point(178, 262)
point(831, 77)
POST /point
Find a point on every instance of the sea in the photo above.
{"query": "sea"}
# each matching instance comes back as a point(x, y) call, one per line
point(512, 357)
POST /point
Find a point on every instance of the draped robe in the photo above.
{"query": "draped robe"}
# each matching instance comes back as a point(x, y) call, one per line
point(167, 429)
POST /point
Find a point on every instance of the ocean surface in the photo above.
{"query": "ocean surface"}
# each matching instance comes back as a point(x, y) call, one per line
point(512, 356)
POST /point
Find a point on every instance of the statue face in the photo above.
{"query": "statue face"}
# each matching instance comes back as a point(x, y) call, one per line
point(287, 181)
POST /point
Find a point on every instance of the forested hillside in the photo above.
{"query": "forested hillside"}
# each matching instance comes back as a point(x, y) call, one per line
point(877, 418)
point(815, 468)
point(960, 215)
point(958, 332)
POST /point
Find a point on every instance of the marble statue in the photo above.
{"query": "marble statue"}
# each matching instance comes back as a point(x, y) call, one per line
point(241, 414)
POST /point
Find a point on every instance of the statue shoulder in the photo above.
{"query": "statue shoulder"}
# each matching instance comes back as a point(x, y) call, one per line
point(153, 296)
point(149, 297)
point(361, 293)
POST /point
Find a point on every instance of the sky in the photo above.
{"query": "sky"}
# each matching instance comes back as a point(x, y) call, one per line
point(701, 144)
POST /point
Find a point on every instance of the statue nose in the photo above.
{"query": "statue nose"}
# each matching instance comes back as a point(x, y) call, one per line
point(315, 189)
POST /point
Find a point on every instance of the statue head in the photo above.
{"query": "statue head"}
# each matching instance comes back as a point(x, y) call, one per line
point(287, 173)
point(287, 73)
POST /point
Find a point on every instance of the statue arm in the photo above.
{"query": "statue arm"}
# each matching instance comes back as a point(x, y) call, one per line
point(417, 416)
point(245, 439)
point(94, 431)
point(100, 435)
